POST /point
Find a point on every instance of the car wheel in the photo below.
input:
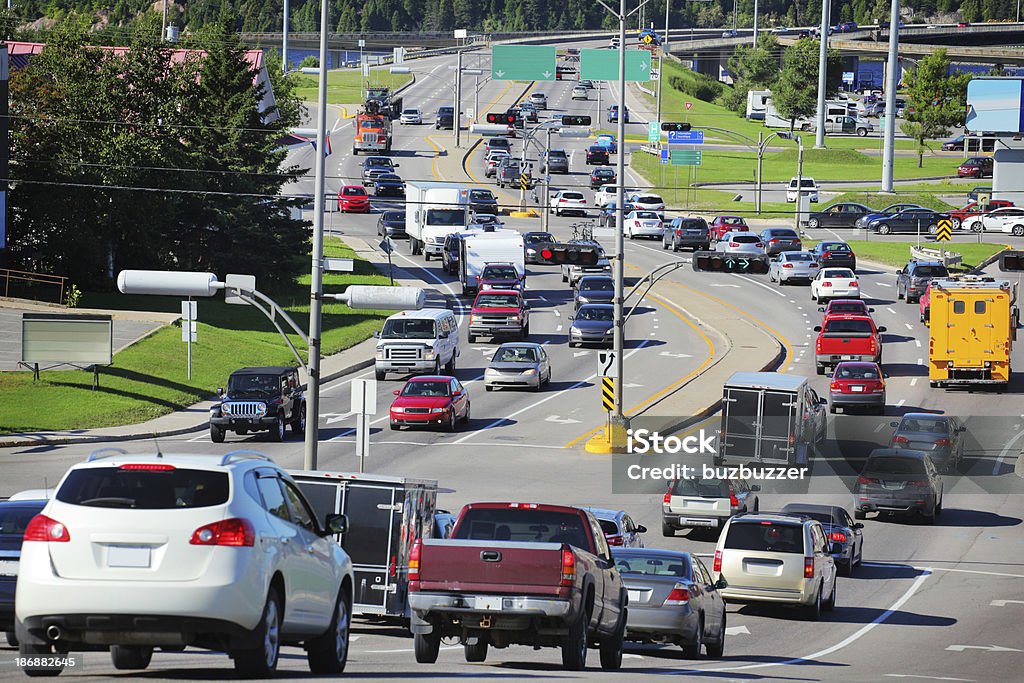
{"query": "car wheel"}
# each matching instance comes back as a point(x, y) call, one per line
point(261, 661)
point(694, 649)
point(452, 421)
point(12, 638)
point(933, 228)
point(611, 647)
point(217, 434)
point(812, 223)
point(664, 244)
point(574, 644)
point(813, 611)
point(845, 568)
point(471, 338)
point(899, 292)
point(328, 653)
point(820, 369)
point(299, 421)
point(956, 223)
point(437, 366)
point(830, 604)
point(675, 246)
point(1017, 231)
point(884, 229)
point(977, 226)
point(426, 646)
point(34, 653)
point(277, 433)
point(478, 651)
point(380, 375)
point(130, 656)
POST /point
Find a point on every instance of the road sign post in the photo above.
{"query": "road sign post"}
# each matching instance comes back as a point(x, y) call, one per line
point(686, 157)
point(364, 404)
point(189, 315)
point(944, 230)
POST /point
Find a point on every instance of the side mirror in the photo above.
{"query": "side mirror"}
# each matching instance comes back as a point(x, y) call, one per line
point(899, 272)
point(817, 328)
point(377, 334)
point(755, 487)
point(837, 548)
point(571, 317)
point(858, 525)
point(396, 165)
point(823, 401)
point(335, 523)
point(821, 309)
point(396, 392)
point(220, 391)
point(641, 529)
point(721, 583)
point(871, 310)
point(881, 329)
point(456, 393)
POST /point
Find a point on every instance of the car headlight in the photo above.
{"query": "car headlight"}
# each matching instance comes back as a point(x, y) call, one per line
point(583, 300)
point(575, 331)
point(379, 355)
point(531, 371)
point(224, 409)
point(531, 252)
point(429, 354)
point(437, 410)
point(398, 409)
point(261, 409)
point(490, 371)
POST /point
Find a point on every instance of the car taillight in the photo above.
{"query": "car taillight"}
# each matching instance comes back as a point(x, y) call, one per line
point(827, 254)
point(773, 240)
point(717, 566)
point(232, 532)
point(46, 530)
point(614, 539)
point(568, 568)
point(759, 245)
point(837, 536)
point(733, 500)
point(734, 244)
point(414, 561)
point(147, 467)
point(678, 596)
point(900, 439)
point(667, 498)
point(808, 567)
point(787, 265)
point(826, 283)
point(834, 386)
point(942, 442)
point(854, 283)
point(866, 480)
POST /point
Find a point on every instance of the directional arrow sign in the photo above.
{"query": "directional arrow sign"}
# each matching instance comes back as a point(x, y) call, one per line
point(1004, 603)
point(523, 62)
point(744, 263)
point(603, 65)
point(989, 648)
point(669, 354)
point(736, 630)
point(561, 420)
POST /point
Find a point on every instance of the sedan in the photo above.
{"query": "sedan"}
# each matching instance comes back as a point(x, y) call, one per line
point(580, 93)
point(619, 528)
point(411, 117)
point(592, 324)
point(593, 289)
point(651, 202)
point(856, 384)
point(430, 400)
point(834, 283)
point(494, 159)
point(1009, 220)
point(890, 210)
point(14, 518)
point(779, 240)
point(643, 224)
point(539, 100)
point(834, 254)
point(838, 216)
point(792, 265)
point(908, 221)
point(388, 184)
point(745, 243)
point(845, 306)
point(899, 481)
point(672, 597)
point(596, 154)
point(499, 144)
point(518, 364)
point(391, 224)
point(723, 224)
point(602, 176)
point(353, 199)
point(838, 528)
point(941, 436)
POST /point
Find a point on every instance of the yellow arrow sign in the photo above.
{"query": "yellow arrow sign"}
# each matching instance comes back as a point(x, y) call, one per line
point(944, 231)
point(608, 393)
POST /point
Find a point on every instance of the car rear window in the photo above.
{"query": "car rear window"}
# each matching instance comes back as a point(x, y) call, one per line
point(782, 233)
point(931, 271)
point(572, 195)
point(777, 537)
point(838, 273)
point(891, 464)
point(523, 525)
point(14, 519)
point(144, 489)
point(609, 527)
point(745, 239)
point(852, 307)
point(703, 488)
point(798, 256)
point(835, 246)
point(823, 517)
point(557, 154)
point(654, 566)
point(923, 424)
point(848, 327)
point(850, 371)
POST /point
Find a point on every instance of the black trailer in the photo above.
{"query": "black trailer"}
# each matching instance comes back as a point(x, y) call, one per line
point(385, 516)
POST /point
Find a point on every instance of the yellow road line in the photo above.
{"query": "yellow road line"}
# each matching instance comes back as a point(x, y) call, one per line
point(437, 153)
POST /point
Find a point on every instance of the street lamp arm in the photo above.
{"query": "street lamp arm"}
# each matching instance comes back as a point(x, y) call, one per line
point(613, 12)
point(750, 141)
point(635, 9)
point(272, 310)
point(652, 278)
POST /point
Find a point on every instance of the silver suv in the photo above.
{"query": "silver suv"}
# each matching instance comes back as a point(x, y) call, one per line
point(777, 558)
point(705, 503)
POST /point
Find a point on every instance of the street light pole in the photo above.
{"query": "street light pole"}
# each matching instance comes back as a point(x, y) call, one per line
point(819, 137)
point(760, 157)
point(284, 42)
point(664, 40)
point(893, 81)
point(799, 180)
point(661, 79)
point(316, 280)
point(755, 23)
point(457, 118)
point(547, 182)
point(618, 342)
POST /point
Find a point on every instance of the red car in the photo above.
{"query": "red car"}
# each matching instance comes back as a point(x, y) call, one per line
point(857, 384)
point(353, 199)
point(724, 224)
point(974, 209)
point(924, 304)
point(845, 306)
point(430, 400)
point(976, 167)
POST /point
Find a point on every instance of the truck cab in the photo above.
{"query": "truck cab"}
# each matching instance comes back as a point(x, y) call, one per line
point(847, 336)
point(499, 312)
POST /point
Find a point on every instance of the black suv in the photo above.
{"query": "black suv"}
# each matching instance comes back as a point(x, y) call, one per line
point(913, 279)
point(483, 201)
point(445, 118)
point(259, 399)
point(557, 162)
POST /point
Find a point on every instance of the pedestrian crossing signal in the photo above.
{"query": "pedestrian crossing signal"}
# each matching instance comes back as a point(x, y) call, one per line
point(1011, 262)
point(715, 261)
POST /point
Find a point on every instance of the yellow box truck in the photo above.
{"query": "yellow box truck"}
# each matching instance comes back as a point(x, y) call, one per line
point(973, 327)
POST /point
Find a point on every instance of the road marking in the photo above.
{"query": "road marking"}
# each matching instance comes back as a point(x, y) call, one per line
point(577, 354)
point(917, 342)
point(736, 631)
point(559, 328)
point(669, 354)
point(561, 420)
point(335, 417)
point(897, 565)
point(893, 311)
point(761, 284)
point(792, 301)
point(930, 678)
point(913, 381)
point(899, 404)
point(988, 648)
point(1004, 603)
point(882, 284)
point(716, 285)
point(920, 361)
point(909, 326)
point(557, 313)
point(1002, 454)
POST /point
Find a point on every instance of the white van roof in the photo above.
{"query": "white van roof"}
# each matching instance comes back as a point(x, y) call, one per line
point(424, 313)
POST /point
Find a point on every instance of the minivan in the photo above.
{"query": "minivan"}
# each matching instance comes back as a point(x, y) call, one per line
point(420, 342)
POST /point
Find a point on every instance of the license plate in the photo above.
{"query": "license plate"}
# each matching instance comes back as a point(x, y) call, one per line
point(893, 485)
point(490, 603)
point(846, 357)
point(8, 567)
point(128, 556)
point(857, 389)
point(634, 596)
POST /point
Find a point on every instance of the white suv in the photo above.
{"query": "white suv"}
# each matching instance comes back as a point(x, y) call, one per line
point(223, 553)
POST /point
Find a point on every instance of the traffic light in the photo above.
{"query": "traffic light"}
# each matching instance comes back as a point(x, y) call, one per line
point(668, 125)
point(716, 261)
point(1011, 261)
point(504, 117)
point(574, 254)
point(575, 120)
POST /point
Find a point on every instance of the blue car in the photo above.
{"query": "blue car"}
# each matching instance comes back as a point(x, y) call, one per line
point(14, 517)
point(388, 184)
point(889, 211)
point(613, 114)
point(608, 140)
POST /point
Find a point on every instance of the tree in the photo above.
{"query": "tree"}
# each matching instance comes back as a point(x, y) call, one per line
point(936, 100)
point(752, 68)
point(795, 94)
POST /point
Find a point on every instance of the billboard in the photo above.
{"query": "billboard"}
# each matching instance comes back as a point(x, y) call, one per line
point(62, 338)
point(994, 105)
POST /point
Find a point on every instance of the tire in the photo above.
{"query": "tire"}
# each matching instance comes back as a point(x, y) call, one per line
point(261, 661)
point(466, 417)
point(1017, 231)
point(830, 604)
point(667, 530)
point(216, 434)
point(488, 387)
point(437, 366)
point(820, 369)
point(478, 652)
point(12, 638)
point(884, 229)
point(862, 132)
point(299, 422)
point(471, 338)
point(130, 656)
point(977, 226)
point(956, 223)
point(812, 223)
point(675, 247)
point(611, 647)
point(574, 645)
point(380, 375)
point(859, 514)
point(277, 433)
point(717, 649)
point(812, 612)
point(694, 650)
point(449, 367)
point(35, 651)
point(328, 653)
point(932, 229)
point(664, 244)
point(899, 292)
point(845, 568)
point(426, 256)
point(452, 422)
point(426, 646)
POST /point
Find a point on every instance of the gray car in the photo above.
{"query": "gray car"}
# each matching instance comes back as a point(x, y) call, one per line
point(592, 324)
point(839, 528)
point(673, 598)
point(619, 528)
point(518, 364)
point(898, 481)
point(792, 265)
point(593, 289)
point(741, 243)
point(940, 436)
point(557, 162)
point(779, 240)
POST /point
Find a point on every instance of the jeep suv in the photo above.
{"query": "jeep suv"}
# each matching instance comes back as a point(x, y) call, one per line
point(259, 399)
point(220, 552)
point(777, 558)
point(913, 279)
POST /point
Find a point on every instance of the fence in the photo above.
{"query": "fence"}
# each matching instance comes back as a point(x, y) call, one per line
point(25, 285)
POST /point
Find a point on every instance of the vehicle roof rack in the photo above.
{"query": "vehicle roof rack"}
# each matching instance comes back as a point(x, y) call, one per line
point(108, 452)
point(243, 455)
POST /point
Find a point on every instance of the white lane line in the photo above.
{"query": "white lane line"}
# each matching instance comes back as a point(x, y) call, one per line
point(909, 326)
point(792, 301)
point(917, 342)
point(913, 381)
point(882, 284)
point(891, 310)
point(558, 329)
point(558, 314)
point(899, 404)
point(931, 678)
point(899, 565)
point(351, 439)
point(1002, 455)
point(761, 284)
point(799, 308)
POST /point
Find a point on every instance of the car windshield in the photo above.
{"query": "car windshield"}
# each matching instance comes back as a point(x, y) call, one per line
point(256, 384)
point(410, 111)
point(497, 301)
point(766, 537)
point(480, 194)
point(166, 488)
point(446, 110)
point(649, 215)
point(838, 273)
point(597, 285)
point(703, 488)
point(923, 424)
point(653, 565)
point(354, 192)
point(834, 246)
point(603, 314)
point(447, 217)
point(840, 326)
point(500, 273)
point(515, 354)
point(891, 464)
point(931, 271)
point(408, 328)
point(393, 216)
point(427, 388)
point(522, 525)
point(856, 372)
point(379, 161)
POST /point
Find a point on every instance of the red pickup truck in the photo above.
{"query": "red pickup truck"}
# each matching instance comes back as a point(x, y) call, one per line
point(518, 574)
point(499, 312)
point(847, 337)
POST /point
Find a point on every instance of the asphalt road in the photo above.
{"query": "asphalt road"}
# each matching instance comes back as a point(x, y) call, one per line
point(927, 604)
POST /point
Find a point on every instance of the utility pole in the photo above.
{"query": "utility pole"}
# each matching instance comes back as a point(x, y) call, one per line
point(664, 39)
point(163, 23)
point(457, 117)
point(618, 419)
point(799, 180)
point(284, 42)
point(755, 23)
point(892, 82)
point(316, 281)
point(819, 137)
point(547, 183)
point(661, 79)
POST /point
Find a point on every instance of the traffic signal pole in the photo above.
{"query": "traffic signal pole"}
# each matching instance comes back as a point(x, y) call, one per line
point(618, 422)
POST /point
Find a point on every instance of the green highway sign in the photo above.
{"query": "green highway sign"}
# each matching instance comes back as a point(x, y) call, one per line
point(523, 63)
point(686, 157)
point(653, 131)
point(603, 65)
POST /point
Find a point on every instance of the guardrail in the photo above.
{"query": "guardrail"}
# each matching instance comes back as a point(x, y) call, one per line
point(949, 258)
point(22, 276)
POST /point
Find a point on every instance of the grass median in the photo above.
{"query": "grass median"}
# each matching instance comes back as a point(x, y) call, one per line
point(898, 253)
point(345, 86)
point(149, 378)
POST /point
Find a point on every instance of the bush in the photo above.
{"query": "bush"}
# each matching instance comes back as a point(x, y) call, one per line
point(697, 85)
point(309, 62)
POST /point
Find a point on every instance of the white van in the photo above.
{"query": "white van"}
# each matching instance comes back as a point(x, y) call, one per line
point(418, 342)
point(808, 188)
